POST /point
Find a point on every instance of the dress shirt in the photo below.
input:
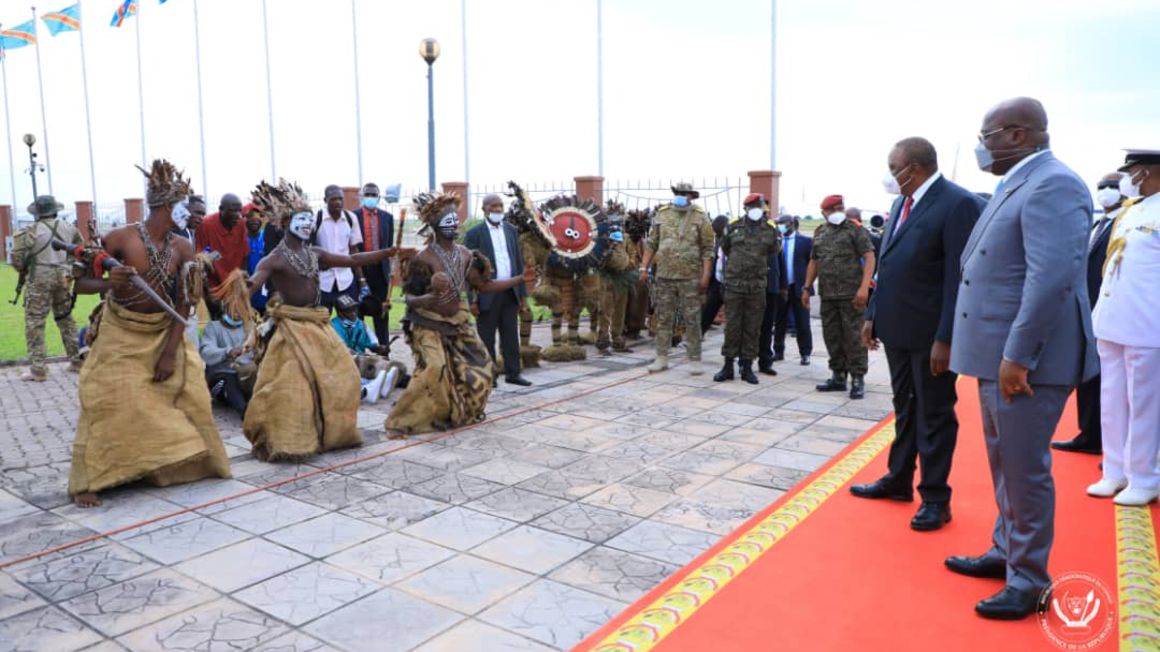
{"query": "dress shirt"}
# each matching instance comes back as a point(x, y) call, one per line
point(503, 261)
point(790, 243)
point(337, 237)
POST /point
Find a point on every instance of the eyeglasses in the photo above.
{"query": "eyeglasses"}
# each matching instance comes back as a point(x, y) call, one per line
point(984, 135)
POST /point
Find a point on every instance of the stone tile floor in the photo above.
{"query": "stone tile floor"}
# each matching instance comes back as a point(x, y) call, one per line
point(526, 532)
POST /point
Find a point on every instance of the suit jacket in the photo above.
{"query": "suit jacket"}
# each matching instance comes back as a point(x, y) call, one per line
point(1097, 254)
point(386, 236)
point(1023, 295)
point(918, 267)
point(803, 245)
point(479, 239)
point(774, 279)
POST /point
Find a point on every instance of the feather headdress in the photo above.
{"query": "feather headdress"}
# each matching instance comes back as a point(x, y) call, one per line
point(167, 185)
point(281, 201)
point(432, 208)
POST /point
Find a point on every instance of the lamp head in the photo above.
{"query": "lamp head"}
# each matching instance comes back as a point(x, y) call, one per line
point(429, 50)
point(29, 140)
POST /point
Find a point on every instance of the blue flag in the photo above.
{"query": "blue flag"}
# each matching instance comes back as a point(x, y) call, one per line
point(19, 36)
point(128, 8)
point(65, 20)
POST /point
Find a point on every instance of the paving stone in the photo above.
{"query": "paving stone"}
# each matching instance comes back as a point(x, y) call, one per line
point(532, 549)
point(220, 625)
point(588, 522)
point(455, 488)
point(325, 535)
point(613, 573)
point(663, 542)
point(15, 599)
point(391, 557)
point(459, 528)
point(388, 621)
point(176, 543)
point(474, 635)
point(517, 504)
point(82, 572)
point(394, 510)
point(133, 603)
point(271, 513)
point(553, 613)
point(465, 583)
point(306, 593)
point(242, 564)
point(46, 628)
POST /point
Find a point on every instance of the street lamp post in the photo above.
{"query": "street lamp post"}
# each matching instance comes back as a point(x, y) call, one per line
point(429, 50)
point(30, 140)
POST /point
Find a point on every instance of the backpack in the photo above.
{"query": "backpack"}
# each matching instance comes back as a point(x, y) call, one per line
point(318, 217)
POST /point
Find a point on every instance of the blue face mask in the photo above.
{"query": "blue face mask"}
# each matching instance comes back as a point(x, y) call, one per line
point(680, 201)
point(370, 202)
point(781, 228)
point(231, 322)
point(616, 236)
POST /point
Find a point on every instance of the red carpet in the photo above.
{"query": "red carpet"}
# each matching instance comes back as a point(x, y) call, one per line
point(850, 574)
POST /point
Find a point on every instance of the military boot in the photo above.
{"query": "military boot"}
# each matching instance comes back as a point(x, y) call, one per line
point(726, 372)
point(836, 383)
point(695, 368)
point(857, 386)
point(747, 372)
point(659, 364)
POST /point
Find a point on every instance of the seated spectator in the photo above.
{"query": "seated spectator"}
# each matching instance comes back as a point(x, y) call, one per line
point(229, 370)
point(379, 376)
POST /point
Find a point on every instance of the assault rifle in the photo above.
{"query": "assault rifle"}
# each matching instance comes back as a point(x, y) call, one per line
point(99, 260)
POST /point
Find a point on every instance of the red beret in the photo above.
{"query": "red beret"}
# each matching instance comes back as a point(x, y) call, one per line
point(832, 201)
point(753, 198)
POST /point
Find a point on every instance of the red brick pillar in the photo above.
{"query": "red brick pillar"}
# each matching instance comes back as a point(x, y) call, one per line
point(86, 223)
point(590, 188)
point(5, 230)
point(134, 210)
point(766, 182)
point(350, 198)
point(460, 188)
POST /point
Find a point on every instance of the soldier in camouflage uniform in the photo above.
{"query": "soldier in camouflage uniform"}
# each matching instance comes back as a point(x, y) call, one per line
point(680, 242)
point(47, 283)
point(843, 262)
point(748, 245)
point(615, 279)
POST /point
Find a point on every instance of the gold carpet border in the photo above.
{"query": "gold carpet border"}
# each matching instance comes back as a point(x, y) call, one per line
point(1139, 579)
point(649, 626)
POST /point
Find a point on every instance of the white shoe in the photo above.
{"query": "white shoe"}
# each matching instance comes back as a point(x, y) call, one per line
point(659, 364)
point(1136, 497)
point(695, 368)
point(374, 387)
point(391, 381)
point(1106, 488)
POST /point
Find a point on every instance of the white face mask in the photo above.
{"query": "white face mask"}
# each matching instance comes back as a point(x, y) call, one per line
point(302, 225)
point(1128, 187)
point(755, 214)
point(890, 185)
point(181, 214)
point(836, 218)
point(495, 218)
point(1108, 197)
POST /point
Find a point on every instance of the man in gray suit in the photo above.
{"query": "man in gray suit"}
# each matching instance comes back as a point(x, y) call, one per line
point(1023, 329)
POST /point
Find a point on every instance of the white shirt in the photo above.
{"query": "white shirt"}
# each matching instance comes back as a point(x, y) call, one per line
point(337, 237)
point(790, 241)
point(1101, 225)
point(1015, 168)
point(719, 272)
point(1126, 313)
point(503, 262)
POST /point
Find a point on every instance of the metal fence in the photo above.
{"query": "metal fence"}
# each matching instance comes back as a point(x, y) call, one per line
point(719, 195)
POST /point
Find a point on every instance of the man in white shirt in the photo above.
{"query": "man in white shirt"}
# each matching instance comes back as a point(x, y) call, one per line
point(337, 230)
point(498, 241)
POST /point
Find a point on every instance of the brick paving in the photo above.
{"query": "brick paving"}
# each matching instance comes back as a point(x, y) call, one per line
point(524, 533)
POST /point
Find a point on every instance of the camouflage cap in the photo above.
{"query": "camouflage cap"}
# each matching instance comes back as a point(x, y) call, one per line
point(44, 206)
point(685, 188)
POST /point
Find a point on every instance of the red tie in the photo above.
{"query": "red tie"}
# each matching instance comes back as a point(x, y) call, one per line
point(905, 212)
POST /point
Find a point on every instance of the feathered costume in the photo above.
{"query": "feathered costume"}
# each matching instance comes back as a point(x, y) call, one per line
point(307, 392)
point(571, 271)
point(130, 427)
point(453, 373)
point(617, 275)
point(535, 248)
point(636, 225)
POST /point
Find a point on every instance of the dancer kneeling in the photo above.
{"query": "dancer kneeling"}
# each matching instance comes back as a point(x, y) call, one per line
point(307, 393)
point(453, 372)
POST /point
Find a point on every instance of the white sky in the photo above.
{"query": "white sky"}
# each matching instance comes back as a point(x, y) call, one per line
point(686, 88)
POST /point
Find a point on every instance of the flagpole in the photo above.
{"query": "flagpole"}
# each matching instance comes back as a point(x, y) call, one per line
point(43, 119)
point(357, 102)
point(8, 125)
point(200, 115)
point(466, 139)
point(600, 87)
point(140, 86)
point(88, 122)
point(269, 94)
point(773, 85)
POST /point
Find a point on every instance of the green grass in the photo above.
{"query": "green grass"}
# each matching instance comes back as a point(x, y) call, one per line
point(12, 320)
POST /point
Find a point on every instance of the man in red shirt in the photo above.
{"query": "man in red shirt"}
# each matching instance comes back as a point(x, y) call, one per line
point(224, 233)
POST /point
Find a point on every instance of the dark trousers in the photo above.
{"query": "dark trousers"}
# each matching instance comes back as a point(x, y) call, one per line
point(768, 321)
point(377, 283)
point(227, 389)
point(925, 424)
point(791, 309)
point(330, 297)
point(1087, 399)
point(714, 299)
point(502, 314)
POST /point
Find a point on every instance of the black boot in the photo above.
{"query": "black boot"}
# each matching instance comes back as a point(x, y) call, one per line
point(747, 372)
point(836, 383)
point(726, 372)
point(857, 386)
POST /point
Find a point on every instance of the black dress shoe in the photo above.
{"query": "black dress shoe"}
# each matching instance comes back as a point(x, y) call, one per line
point(1076, 446)
point(778, 357)
point(931, 516)
point(517, 380)
point(1009, 604)
point(881, 489)
point(986, 567)
point(767, 369)
point(805, 360)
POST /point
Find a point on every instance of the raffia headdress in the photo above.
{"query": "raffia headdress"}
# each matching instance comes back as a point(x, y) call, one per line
point(167, 185)
point(432, 208)
point(281, 201)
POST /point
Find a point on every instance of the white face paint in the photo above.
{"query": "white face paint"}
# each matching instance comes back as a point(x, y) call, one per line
point(302, 225)
point(181, 214)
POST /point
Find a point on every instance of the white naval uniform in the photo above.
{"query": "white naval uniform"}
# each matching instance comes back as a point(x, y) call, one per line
point(1127, 327)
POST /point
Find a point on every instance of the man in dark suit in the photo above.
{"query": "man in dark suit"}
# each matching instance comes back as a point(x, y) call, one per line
point(1023, 328)
point(498, 240)
point(1087, 394)
point(776, 293)
point(378, 232)
point(912, 312)
point(794, 259)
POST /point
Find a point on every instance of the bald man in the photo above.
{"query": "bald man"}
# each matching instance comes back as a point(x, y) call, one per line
point(224, 233)
point(499, 311)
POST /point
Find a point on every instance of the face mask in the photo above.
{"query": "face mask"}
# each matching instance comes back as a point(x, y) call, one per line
point(370, 202)
point(755, 214)
point(231, 322)
point(1128, 187)
point(495, 218)
point(616, 236)
point(449, 226)
point(680, 201)
point(781, 228)
point(836, 218)
point(987, 160)
point(890, 185)
point(348, 322)
point(1108, 197)
point(181, 214)
point(302, 225)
